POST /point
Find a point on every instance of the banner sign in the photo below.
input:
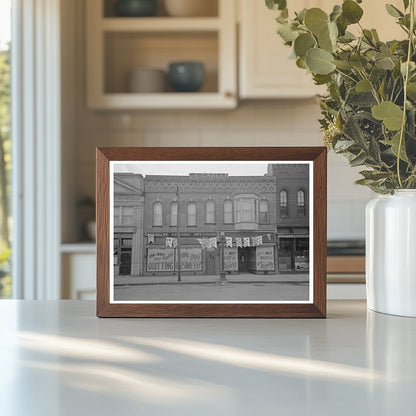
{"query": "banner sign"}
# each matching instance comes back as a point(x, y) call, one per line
point(162, 259)
point(264, 258)
point(191, 259)
point(231, 259)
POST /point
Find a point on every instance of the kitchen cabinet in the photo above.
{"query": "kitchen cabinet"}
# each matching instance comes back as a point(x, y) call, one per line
point(78, 263)
point(265, 69)
point(118, 45)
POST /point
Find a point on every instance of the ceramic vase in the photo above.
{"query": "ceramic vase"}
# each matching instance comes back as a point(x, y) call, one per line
point(391, 253)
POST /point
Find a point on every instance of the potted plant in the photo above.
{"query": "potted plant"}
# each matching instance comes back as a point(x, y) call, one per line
point(368, 116)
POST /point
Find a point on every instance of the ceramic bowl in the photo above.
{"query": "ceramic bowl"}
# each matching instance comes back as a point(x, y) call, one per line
point(147, 80)
point(191, 8)
point(186, 76)
point(135, 8)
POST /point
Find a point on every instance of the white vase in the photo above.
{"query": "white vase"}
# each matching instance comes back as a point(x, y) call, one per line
point(391, 253)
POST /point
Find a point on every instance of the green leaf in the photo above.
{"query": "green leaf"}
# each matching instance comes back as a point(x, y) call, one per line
point(316, 20)
point(394, 145)
point(287, 33)
point(384, 62)
point(345, 65)
point(301, 63)
point(374, 174)
point(276, 4)
point(388, 112)
point(303, 43)
point(411, 90)
point(358, 160)
point(325, 42)
point(319, 61)
point(321, 79)
point(406, 4)
point(301, 15)
point(358, 61)
point(363, 86)
point(336, 12)
point(393, 11)
point(351, 11)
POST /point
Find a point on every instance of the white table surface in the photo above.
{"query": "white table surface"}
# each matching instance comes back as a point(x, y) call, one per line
point(57, 358)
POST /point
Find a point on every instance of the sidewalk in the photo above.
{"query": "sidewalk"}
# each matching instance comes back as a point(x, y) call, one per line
point(231, 278)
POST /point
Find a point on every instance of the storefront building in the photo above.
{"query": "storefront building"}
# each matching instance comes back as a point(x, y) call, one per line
point(292, 216)
point(128, 224)
point(217, 223)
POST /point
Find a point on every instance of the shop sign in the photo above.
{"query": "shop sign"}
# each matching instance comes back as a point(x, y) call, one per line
point(191, 259)
point(160, 260)
point(264, 258)
point(301, 263)
point(231, 259)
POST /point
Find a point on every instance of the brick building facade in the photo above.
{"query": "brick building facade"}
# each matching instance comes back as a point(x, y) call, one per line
point(260, 224)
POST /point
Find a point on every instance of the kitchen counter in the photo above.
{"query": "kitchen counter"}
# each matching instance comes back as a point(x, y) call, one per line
point(57, 358)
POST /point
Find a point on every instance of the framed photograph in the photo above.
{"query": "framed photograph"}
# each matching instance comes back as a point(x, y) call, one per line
point(211, 232)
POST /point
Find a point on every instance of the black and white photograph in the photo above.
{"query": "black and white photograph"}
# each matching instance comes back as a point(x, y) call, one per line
point(241, 230)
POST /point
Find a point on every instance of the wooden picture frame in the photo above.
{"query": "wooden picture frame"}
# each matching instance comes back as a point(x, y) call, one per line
point(110, 294)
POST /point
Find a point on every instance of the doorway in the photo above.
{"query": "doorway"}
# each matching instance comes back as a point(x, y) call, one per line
point(211, 262)
point(125, 263)
point(243, 260)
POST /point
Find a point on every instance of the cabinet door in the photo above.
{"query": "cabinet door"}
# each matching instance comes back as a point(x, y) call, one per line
point(265, 68)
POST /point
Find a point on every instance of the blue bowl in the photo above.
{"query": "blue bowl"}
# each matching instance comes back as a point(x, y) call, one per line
point(135, 8)
point(186, 76)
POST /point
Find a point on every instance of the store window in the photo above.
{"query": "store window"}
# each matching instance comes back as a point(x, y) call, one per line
point(264, 211)
point(246, 210)
point(157, 214)
point(192, 214)
point(210, 212)
point(174, 214)
point(284, 212)
point(301, 203)
point(228, 212)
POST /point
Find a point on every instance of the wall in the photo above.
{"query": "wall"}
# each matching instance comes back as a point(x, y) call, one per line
point(254, 123)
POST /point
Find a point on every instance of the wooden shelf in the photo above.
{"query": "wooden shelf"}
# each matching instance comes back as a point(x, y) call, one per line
point(128, 101)
point(160, 24)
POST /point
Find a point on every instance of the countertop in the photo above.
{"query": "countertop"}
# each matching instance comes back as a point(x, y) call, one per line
point(57, 358)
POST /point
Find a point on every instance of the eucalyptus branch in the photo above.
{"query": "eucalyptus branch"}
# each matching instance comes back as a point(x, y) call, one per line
point(406, 80)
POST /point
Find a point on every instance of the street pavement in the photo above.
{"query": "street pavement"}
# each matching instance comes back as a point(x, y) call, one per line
point(232, 278)
point(220, 291)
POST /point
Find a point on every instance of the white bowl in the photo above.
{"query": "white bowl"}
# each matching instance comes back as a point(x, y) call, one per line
point(147, 80)
point(191, 8)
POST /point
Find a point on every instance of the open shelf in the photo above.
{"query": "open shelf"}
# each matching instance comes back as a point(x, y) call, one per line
point(118, 45)
point(160, 24)
point(211, 9)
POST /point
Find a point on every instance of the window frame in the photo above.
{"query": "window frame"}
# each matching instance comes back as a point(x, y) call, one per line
point(156, 204)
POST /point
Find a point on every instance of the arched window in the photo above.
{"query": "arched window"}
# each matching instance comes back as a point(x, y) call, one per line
point(210, 212)
point(264, 211)
point(284, 212)
point(173, 214)
point(157, 214)
point(301, 203)
point(192, 214)
point(228, 212)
